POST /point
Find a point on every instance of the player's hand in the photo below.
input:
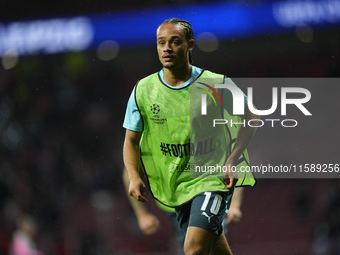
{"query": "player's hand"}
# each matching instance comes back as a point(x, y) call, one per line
point(148, 223)
point(137, 189)
point(230, 176)
point(234, 216)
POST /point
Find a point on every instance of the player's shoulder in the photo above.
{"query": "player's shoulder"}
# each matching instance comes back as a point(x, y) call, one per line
point(211, 74)
point(146, 83)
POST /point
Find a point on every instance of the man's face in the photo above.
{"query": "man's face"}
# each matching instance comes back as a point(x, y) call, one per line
point(172, 45)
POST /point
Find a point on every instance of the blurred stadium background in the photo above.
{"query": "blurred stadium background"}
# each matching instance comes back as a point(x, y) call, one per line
point(67, 70)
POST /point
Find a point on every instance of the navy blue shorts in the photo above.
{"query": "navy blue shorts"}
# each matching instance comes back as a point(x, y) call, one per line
point(206, 210)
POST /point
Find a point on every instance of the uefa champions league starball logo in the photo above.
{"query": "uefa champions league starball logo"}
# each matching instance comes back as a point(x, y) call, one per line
point(155, 108)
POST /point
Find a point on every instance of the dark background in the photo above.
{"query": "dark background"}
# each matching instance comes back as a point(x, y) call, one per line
point(62, 137)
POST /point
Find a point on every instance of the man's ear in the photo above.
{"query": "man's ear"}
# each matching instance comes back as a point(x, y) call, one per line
point(191, 44)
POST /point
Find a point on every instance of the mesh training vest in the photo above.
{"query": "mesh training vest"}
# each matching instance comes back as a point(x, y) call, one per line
point(182, 153)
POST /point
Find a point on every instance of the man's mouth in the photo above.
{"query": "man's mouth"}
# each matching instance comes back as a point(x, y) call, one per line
point(168, 57)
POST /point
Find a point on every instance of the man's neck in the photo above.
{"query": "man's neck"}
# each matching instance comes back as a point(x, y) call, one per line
point(177, 76)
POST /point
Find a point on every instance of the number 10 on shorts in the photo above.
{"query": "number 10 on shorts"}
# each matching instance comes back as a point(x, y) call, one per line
point(216, 204)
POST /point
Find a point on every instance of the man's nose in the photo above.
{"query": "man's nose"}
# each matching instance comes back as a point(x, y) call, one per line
point(167, 47)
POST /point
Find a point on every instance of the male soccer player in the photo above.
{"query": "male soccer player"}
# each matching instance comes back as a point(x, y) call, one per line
point(165, 130)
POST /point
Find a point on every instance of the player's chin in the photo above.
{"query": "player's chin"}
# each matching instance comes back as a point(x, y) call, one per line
point(169, 65)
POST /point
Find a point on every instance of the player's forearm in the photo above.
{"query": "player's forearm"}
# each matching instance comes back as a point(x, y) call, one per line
point(131, 154)
point(137, 206)
point(243, 139)
point(245, 135)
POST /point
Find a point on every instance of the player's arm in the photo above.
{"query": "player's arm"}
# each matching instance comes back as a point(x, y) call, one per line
point(234, 213)
point(148, 223)
point(244, 136)
point(131, 157)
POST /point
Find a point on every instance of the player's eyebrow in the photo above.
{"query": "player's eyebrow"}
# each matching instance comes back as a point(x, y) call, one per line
point(172, 37)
